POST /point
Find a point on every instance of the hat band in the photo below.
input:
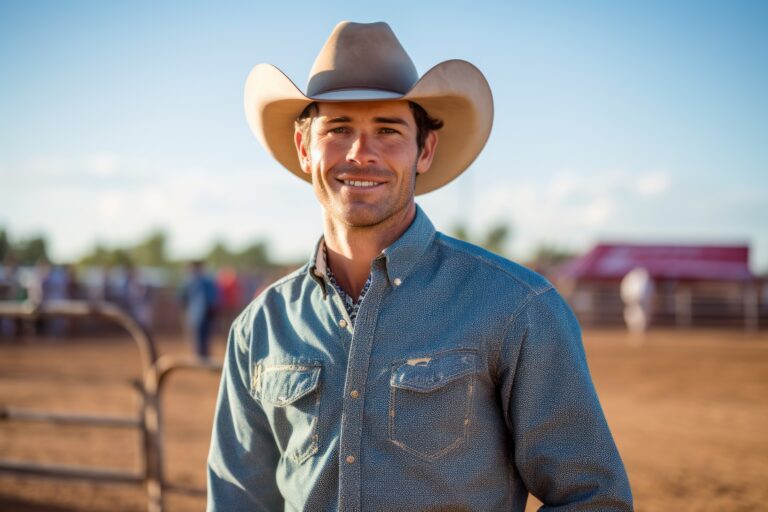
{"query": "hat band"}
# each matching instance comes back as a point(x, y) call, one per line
point(357, 95)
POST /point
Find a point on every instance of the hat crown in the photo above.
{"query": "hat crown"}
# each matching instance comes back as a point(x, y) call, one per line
point(362, 56)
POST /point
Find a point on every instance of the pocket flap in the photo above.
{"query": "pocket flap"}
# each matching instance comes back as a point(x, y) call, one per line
point(282, 385)
point(426, 374)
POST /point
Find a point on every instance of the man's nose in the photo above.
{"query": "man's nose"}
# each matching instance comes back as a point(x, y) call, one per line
point(362, 151)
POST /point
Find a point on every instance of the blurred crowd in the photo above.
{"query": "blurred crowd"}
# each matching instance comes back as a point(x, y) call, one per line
point(158, 299)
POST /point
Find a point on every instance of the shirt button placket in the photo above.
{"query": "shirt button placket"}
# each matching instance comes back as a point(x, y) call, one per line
point(357, 376)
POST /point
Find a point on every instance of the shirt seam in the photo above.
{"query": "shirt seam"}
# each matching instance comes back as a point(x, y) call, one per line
point(512, 320)
point(442, 241)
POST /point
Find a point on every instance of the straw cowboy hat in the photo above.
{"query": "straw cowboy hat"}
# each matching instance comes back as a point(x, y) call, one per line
point(365, 62)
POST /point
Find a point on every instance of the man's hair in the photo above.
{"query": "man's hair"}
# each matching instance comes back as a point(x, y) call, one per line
point(303, 123)
point(424, 123)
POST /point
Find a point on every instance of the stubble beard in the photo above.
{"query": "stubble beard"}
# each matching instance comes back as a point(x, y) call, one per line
point(364, 214)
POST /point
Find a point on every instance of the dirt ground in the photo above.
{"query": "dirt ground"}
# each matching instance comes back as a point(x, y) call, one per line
point(688, 410)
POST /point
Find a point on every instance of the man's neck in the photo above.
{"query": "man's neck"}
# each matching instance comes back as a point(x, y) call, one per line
point(352, 249)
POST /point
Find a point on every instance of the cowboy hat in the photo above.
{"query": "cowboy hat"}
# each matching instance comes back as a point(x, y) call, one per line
point(365, 62)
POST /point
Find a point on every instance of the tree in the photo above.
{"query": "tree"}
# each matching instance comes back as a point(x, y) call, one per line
point(152, 251)
point(460, 231)
point(255, 255)
point(495, 238)
point(547, 257)
point(30, 251)
point(4, 245)
point(219, 255)
point(101, 256)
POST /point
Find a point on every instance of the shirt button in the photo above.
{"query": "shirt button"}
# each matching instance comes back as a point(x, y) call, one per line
point(342, 323)
point(350, 459)
point(398, 281)
point(354, 393)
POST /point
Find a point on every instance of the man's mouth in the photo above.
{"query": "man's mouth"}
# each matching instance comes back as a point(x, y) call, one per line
point(360, 183)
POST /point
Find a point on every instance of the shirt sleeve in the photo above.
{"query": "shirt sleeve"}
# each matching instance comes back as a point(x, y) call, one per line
point(562, 447)
point(243, 456)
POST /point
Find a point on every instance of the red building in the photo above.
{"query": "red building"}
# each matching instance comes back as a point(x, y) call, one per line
point(694, 284)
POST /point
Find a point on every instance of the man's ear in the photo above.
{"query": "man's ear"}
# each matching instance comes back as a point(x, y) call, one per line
point(303, 152)
point(424, 161)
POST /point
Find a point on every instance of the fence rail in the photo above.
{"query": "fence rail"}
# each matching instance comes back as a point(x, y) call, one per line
point(148, 420)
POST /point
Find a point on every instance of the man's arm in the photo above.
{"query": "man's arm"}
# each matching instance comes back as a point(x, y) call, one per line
point(563, 448)
point(243, 455)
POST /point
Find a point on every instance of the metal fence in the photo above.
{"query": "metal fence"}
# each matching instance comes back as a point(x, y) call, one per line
point(147, 420)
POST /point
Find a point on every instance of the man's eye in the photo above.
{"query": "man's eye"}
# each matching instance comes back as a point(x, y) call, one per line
point(339, 129)
point(387, 130)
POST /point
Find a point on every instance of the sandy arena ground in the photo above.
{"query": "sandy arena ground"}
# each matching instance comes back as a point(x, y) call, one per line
point(686, 408)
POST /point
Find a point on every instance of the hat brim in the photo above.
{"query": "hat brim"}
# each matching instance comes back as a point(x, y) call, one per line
point(454, 91)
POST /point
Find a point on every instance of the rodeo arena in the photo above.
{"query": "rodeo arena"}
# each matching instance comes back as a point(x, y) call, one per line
point(107, 387)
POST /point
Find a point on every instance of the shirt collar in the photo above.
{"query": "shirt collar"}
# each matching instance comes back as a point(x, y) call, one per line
point(403, 255)
point(318, 268)
point(400, 257)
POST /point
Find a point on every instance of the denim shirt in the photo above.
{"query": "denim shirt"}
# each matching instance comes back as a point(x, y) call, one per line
point(462, 386)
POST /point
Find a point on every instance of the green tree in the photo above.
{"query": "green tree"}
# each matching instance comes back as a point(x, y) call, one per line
point(30, 251)
point(546, 257)
point(256, 255)
point(152, 251)
point(460, 231)
point(4, 245)
point(102, 256)
point(220, 255)
point(495, 238)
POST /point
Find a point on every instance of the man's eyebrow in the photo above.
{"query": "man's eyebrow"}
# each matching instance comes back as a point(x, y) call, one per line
point(390, 120)
point(381, 120)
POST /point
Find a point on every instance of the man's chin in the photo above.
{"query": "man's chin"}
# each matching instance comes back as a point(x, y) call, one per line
point(360, 216)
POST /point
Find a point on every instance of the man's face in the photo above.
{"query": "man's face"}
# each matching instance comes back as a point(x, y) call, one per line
point(363, 159)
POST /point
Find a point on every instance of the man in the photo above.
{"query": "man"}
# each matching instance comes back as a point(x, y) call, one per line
point(199, 297)
point(400, 369)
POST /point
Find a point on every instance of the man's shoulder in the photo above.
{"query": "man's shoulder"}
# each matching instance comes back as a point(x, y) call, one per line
point(500, 270)
point(276, 294)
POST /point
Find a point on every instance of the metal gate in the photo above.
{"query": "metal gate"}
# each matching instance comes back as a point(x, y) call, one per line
point(147, 420)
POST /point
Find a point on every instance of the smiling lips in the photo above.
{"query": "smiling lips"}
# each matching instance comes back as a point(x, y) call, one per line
point(360, 183)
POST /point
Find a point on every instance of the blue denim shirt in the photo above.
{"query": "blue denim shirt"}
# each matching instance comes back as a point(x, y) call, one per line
point(462, 386)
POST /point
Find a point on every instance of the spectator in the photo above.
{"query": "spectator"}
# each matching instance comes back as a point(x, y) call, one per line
point(136, 298)
point(231, 294)
point(199, 298)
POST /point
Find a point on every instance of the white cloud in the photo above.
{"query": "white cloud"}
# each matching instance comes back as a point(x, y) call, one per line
point(597, 211)
point(197, 205)
point(568, 208)
point(651, 185)
point(60, 197)
point(46, 166)
point(111, 204)
point(563, 186)
point(102, 164)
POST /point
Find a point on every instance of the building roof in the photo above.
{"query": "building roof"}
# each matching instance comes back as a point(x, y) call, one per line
point(678, 262)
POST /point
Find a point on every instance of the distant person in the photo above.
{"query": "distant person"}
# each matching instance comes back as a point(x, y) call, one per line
point(400, 369)
point(112, 277)
point(199, 298)
point(37, 286)
point(136, 297)
point(637, 294)
point(56, 287)
point(230, 294)
point(12, 290)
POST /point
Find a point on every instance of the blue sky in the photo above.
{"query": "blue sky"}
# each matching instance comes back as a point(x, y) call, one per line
point(625, 121)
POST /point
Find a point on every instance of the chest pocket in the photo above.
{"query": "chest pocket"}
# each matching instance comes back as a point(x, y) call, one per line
point(290, 396)
point(430, 403)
